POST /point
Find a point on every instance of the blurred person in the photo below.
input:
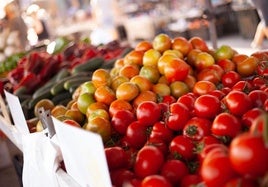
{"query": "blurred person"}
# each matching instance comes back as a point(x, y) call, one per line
point(16, 24)
point(109, 21)
point(38, 24)
point(262, 28)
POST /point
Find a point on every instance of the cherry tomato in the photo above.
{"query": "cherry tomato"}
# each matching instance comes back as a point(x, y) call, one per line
point(188, 100)
point(242, 182)
point(191, 180)
point(136, 135)
point(216, 168)
point(207, 106)
point(182, 147)
point(230, 78)
point(227, 65)
point(243, 85)
point(155, 181)
point(149, 161)
point(177, 117)
point(237, 102)
point(197, 128)
point(226, 124)
point(161, 131)
point(174, 171)
point(247, 67)
point(248, 155)
point(121, 176)
point(250, 116)
point(121, 120)
point(148, 113)
point(116, 157)
point(258, 97)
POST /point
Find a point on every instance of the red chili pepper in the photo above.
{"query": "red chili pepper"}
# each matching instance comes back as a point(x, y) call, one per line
point(15, 75)
point(30, 81)
point(50, 68)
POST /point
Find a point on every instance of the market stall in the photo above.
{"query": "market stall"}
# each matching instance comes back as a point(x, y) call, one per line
point(161, 110)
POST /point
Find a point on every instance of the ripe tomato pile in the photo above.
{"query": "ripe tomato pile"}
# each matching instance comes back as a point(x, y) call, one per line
point(173, 112)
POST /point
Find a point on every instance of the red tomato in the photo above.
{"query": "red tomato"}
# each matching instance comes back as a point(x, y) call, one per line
point(174, 171)
point(177, 117)
point(197, 128)
point(207, 148)
point(216, 168)
point(155, 181)
point(121, 176)
point(241, 182)
point(230, 78)
point(159, 143)
point(191, 180)
point(182, 147)
point(188, 100)
point(161, 131)
point(258, 97)
point(250, 116)
point(226, 124)
point(148, 113)
point(243, 85)
point(237, 102)
point(258, 124)
point(207, 106)
point(149, 161)
point(176, 70)
point(136, 135)
point(121, 120)
point(248, 155)
point(116, 157)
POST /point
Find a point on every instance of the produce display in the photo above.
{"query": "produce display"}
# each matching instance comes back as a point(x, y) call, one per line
point(39, 74)
point(171, 111)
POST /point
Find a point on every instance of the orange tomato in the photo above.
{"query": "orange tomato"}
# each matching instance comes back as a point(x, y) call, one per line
point(144, 96)
point(182, 44)
point(129, 70)
point(127, 91)
point(163, 60)
point(161, 42)
point(117, 80)
point(134, 57)
point(104, 94)
point(199, 43)
point(119, 104)
point(178, 88)
point(101, 77)
point(161, 89)
point(95, 106)
point(203, 87)
point(143, 46)
point(100, 126)
point(150, 72)
point(174, 52)
point(142, 82)
point(191, 56)
point(150, 57)
point(239, 58)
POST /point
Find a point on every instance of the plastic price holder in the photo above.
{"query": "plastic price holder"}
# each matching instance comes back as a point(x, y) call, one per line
point(17, 113)
point(83, 155)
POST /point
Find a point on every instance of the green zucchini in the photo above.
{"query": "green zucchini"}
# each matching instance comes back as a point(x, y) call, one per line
point(46, 94)
point(76, 81)
point(61, 97)
point(90, 65)
point(58, 87)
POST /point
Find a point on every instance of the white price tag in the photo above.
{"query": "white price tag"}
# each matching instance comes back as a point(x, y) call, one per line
point(17, 113)
point(83, 155)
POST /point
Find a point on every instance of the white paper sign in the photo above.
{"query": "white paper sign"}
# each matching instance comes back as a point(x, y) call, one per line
point(83, 155)
point(17, 113)
point(41, 161)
